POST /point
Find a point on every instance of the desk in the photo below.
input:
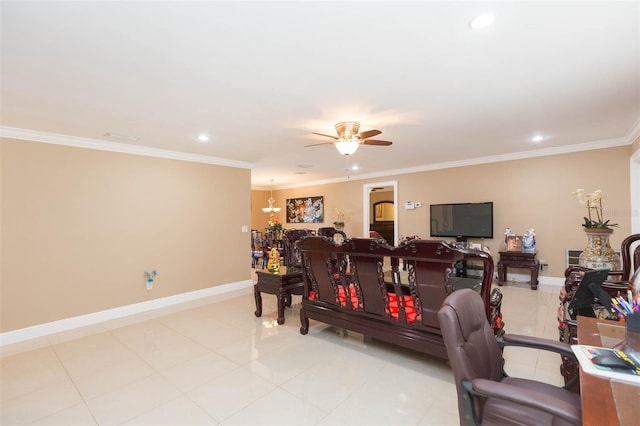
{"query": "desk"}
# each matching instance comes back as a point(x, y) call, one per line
point(605, 402)
point(283, 285)
point(518, 259)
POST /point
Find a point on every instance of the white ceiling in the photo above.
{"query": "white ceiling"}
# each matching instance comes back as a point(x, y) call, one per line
point(260, 77)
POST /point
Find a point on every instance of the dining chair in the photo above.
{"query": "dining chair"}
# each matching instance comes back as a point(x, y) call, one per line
point(259, 249)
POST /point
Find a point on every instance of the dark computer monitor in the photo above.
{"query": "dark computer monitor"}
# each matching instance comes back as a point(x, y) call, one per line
point(590, 288)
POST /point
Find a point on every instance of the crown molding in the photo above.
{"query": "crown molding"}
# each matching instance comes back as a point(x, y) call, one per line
point(634, 132)
point(58, 139)
point(607, 143)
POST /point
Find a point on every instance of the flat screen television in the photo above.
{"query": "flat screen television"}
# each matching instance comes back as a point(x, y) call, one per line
point(462, 220)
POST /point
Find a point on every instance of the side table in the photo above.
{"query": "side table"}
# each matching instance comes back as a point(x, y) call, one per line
point(518, 259)
point(283, 285)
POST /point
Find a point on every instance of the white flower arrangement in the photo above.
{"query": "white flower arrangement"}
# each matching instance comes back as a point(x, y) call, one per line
point(593, 202)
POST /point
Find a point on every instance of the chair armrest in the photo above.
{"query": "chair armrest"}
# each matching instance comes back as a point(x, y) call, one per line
point(536, 343)
point(528, 397)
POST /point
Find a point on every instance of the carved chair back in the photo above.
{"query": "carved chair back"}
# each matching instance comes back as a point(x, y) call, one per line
point(366, 273)
point(259, 248)
point(630, 256)
point(290, 237)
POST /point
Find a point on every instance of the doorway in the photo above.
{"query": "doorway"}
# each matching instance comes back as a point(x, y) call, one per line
point(635, 190)
point(390, 188)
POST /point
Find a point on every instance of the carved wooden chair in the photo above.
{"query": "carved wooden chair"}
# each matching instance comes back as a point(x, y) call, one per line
point(259, 249)
point(486, 395)
point(619, 281)
point(292, 257)
point(329, 232)
point(630, 252)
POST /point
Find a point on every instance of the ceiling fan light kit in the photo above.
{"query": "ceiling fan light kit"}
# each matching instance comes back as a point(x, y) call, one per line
point(347, 129)
point(347, 146)
point(348, 139)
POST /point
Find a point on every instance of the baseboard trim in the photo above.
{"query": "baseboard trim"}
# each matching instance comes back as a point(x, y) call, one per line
point(546, 284)
point(41, 330)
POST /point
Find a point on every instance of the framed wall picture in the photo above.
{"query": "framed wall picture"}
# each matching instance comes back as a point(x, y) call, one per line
point(383, 211)
point(514, 243)
point(305, 210)
point(379, 212)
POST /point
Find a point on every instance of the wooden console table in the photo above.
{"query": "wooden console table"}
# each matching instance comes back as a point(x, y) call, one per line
point(283, 285)
point(518, 259)
point(604, 401)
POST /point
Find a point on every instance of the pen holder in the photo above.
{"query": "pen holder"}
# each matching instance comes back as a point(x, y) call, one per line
point(633, 331)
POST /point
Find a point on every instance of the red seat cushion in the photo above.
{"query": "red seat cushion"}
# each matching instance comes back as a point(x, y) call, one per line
point(409, 307)
point(342, 299)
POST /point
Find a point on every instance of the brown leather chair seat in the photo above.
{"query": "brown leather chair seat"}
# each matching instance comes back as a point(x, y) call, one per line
point(486, 395)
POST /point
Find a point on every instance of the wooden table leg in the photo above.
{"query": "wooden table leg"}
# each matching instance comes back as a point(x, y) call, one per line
point(281, 302)
point(502, 272)
point(258, 297)
point(534, 277)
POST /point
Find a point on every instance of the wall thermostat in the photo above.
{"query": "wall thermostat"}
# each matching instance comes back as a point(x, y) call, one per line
point(409, 205)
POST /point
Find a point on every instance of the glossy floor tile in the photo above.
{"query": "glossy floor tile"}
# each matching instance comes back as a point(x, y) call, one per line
point(212, 362)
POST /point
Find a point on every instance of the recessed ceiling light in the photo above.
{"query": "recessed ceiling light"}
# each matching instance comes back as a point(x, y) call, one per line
point(355, 167)
point(482, 21)
point(537, 138)
point(203, 137)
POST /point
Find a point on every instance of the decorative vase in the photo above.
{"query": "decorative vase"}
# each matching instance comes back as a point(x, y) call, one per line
point(528, 243)
point(598, 254)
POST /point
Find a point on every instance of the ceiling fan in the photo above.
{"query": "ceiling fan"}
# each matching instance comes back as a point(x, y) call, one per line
point(348, 139)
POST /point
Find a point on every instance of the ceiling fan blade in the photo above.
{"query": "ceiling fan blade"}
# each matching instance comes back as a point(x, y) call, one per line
point(317, 144)
point(327, 136)
point(376, 142)
point(369, 134)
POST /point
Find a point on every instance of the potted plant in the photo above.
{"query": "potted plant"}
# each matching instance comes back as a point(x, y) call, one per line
point(274, 225)
point(598, 254)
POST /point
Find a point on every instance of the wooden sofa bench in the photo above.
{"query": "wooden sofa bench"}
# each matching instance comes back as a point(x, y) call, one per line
point(359, 286)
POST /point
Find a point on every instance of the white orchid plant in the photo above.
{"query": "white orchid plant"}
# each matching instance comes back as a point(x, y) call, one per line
point(595, 215)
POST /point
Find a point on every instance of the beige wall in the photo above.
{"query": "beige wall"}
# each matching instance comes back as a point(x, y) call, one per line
point(80, 227)
point(259, 218)
point(530, 193)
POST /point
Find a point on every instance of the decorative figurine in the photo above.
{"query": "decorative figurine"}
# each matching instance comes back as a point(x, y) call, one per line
point(273, 265)
point(529, 241)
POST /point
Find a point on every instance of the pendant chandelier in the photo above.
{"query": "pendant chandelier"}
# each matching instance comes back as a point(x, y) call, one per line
point(271, 200)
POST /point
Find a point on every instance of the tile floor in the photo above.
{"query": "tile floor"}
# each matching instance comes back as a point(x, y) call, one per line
point(213, 362)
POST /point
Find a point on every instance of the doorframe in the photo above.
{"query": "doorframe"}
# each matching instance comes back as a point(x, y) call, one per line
point(366, 208)
point(635, 190)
